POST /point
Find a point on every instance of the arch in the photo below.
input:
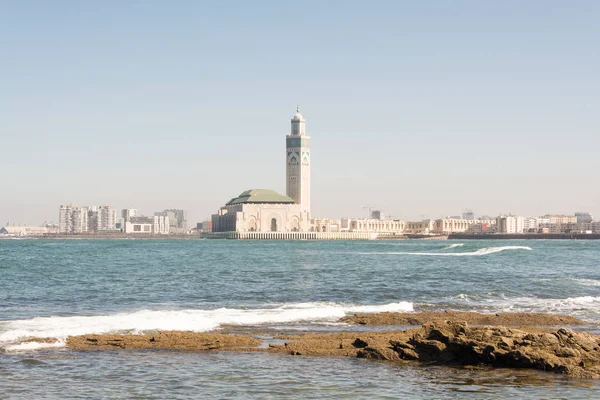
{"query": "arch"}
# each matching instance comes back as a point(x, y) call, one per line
point(273, 224)
point(294, 224)
point(251, 225)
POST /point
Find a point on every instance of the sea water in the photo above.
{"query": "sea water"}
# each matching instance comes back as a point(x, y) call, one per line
point(57, 288)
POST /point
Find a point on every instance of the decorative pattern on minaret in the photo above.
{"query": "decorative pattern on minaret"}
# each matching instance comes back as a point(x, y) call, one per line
point(298, 163)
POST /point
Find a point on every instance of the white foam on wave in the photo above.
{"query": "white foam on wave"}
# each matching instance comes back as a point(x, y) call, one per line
point(453, 246)
point(12, 333)
point(31, 346)
point(479, 252)
point(586, 307)
point(586, 282)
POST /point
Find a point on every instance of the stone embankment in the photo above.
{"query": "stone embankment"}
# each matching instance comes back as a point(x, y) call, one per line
point(445, 338)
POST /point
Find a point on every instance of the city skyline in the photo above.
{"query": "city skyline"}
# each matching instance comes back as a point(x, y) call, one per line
point(417, 110)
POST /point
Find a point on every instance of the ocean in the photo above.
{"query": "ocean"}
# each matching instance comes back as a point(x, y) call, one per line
point(57, 288)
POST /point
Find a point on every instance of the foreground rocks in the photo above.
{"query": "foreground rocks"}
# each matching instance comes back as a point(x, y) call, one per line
point(162, 340)
point(562, 351)
point(472, 318)
point(445, 338)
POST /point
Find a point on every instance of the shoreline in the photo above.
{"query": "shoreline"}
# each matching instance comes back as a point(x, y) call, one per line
point(509, 340)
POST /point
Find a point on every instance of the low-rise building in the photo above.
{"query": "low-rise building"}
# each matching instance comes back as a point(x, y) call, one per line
point(139, 225)
point(382, 227)
point(20, 231)
point(326, 225)
point(425, 227)
point(446, 226)
point(560, 219)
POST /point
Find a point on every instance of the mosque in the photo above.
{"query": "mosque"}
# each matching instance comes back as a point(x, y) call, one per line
point(266, 211)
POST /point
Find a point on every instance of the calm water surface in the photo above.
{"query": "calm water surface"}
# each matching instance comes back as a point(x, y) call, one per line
point(52, 288)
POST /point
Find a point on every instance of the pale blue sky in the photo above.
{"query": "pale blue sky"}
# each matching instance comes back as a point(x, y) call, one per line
point(417, 107)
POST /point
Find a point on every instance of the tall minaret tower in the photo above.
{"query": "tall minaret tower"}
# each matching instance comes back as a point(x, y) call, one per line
point(298, 163)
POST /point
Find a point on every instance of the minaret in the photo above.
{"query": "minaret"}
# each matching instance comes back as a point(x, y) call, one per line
point(298, 163)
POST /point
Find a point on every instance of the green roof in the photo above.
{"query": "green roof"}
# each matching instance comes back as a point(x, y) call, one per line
point(260, 196)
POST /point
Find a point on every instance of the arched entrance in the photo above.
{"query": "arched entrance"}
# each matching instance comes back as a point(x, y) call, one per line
point(274, 225)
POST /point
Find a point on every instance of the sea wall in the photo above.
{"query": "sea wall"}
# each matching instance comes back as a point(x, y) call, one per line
point(290, 235)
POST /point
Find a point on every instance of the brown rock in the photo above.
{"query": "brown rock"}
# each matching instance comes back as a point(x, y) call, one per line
point(422, 318)
point(162, 340)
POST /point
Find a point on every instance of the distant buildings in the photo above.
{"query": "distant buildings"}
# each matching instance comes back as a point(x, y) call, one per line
point(584, 217)
point(510, 224)
point(22, 231)
point(372, 225)
point(74, 219)
point(446, 226)
point(178, 223)
point(468, 215)
point(167, 222)
point(559, 219)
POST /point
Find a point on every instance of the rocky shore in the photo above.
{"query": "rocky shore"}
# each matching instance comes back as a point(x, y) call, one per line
point(472, 318)
point(541, 342)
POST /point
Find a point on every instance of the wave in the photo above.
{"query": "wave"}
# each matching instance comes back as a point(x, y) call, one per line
point(479, 252)
point(585, 307)
point(586, 282)
point(453, 246)
point(13, 333)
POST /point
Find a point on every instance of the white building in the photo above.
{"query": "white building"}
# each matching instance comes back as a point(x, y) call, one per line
point(560, 219)
point(425, 227)
point(510, 224)
point(161, 225)
point(139, 225)
point(19, 231)
point(446, 226)
point(261, 210)
point(177, 220)
point(106, 218)
point(326, 225)
point(379, 226)
point(531, 225)
point(72, 219)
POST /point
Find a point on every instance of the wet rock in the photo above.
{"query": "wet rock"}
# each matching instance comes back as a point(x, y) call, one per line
point(163, 340)
point(472, 318)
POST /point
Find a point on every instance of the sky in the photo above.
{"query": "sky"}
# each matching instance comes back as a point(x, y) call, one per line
point(421, 109)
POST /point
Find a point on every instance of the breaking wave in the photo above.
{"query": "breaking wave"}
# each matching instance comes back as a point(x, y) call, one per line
point(453, 246)
point(584, 307)
point(586, 282)
point(14, 333)
point(479, 252)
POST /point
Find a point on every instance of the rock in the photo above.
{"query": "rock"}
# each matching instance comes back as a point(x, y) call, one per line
point(421, 318)
point(359, 343)
point(163, 340)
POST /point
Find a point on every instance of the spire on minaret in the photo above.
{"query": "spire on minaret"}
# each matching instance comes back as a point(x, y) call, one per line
point(298, 108)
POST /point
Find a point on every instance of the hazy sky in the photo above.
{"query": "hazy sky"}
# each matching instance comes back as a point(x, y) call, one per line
point(416, 107)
